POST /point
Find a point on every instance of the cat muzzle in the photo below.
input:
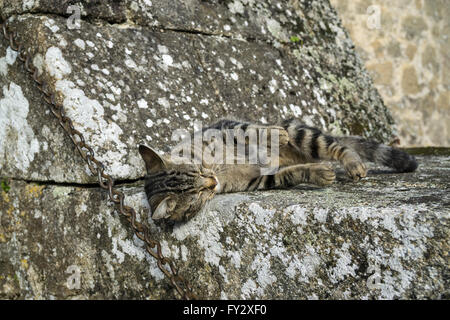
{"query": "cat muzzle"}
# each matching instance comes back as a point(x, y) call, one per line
point(210, 183)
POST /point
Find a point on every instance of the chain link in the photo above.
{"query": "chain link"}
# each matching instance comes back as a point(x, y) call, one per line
point(97, 168)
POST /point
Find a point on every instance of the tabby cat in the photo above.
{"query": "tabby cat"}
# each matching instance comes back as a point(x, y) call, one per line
point(177, 191)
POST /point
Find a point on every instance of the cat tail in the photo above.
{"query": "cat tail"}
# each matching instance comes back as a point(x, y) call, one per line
point(370, 150)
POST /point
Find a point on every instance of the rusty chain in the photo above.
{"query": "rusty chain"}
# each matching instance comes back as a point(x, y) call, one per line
point(97, 168)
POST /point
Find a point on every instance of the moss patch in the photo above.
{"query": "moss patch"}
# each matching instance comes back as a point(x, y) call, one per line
point(5, 186)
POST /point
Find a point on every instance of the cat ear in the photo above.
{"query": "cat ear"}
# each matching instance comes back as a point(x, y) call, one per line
point(153, 161)
point(161, 211)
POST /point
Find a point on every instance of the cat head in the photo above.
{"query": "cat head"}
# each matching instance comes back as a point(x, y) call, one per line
point(176, 192)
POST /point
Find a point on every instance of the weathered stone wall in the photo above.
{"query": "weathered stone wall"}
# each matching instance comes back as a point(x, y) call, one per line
point(127, 82)
point(409, 59)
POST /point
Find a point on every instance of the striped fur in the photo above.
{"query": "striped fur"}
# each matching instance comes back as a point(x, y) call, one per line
point(178, 191)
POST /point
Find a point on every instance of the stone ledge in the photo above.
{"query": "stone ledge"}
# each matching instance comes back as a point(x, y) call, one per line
point(303, 243)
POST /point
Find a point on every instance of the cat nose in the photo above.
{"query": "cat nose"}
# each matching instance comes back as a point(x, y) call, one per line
point(210, 182)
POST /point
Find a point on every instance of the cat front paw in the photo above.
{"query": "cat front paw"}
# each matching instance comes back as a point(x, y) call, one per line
point(283, 135)
point(321, 175)
point(356, 170)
